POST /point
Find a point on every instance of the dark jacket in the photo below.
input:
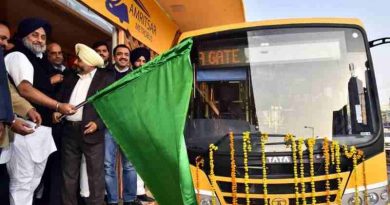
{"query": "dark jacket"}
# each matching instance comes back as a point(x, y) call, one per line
point(117, 75)
point(100, 80)
point(6, 113)
point(53, 71)
point(41, 80)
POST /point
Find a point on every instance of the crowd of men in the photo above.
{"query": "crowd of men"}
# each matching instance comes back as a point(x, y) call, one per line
point(52, 151)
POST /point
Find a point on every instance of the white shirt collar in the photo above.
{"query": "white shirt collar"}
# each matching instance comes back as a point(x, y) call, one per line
point(88, 75)
point(60, 67)
point(106, 63)
point(121, 71)
point(39, 55)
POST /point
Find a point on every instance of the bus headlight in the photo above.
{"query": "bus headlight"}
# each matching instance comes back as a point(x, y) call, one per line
point(206, 201)
point(376, 196)
point(373, 198)
point(205, 198)
point(351, 201)
point(384, 196)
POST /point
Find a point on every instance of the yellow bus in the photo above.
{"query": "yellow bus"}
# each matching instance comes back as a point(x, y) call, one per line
point(311, 78)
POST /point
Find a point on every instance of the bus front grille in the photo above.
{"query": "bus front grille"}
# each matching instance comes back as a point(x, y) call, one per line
point(280, 191)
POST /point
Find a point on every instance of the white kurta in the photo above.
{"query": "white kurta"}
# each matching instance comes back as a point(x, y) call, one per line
point(19, 67)
point(26, 161)
point(28, 154)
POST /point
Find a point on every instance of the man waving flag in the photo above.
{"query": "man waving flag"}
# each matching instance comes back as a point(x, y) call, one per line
point(146, 111)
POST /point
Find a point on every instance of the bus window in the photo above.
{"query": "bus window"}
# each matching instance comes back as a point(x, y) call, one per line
point(296, 78)
point(222, 94)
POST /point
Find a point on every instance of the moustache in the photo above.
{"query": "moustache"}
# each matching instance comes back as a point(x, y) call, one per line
point(38, 44)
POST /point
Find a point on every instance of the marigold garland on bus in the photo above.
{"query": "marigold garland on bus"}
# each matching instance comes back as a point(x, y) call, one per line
point(325, 149)
point(290, 140)
point(249, 143)
point(355, 171)
point(352, 153)
point(199, 164)
point(246, 169)
point(364, 179)
point(302, 169)
point(311, 142)
point(263, 141)
point(336, 148)
point(233, 169)
point(332, 154)
point(212, 149)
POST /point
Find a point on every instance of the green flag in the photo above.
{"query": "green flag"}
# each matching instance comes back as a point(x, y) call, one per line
point(145, 112)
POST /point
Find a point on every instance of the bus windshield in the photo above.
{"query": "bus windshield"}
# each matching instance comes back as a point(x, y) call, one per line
point(306, 81)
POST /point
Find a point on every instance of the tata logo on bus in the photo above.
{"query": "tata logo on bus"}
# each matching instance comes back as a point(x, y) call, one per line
point(279, 160)
point(119, 10)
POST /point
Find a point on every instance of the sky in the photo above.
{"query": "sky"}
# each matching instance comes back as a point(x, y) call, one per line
point(375, 15)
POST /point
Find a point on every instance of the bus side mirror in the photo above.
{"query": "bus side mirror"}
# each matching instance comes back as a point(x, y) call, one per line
point(379, 41)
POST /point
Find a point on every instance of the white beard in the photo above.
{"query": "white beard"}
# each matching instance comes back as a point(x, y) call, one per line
point(36, 49)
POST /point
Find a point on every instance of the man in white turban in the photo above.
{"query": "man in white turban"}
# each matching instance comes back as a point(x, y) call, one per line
point(83, 132)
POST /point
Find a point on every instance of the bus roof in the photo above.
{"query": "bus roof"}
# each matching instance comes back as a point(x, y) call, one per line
point(350, 21)
point(191, 15)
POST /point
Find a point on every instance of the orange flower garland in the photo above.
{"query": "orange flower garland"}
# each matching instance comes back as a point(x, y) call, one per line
point(290, 140)
point(325, 149)
point(352, 153)
point(249, 143)
point(212, 149)
point(365, 179)
point(332, 154)
point(246, 169)
point(199, 163)
point(263, 140)
point(337, 155)
point(233, 169)
point(302, 169)
point(311, 142)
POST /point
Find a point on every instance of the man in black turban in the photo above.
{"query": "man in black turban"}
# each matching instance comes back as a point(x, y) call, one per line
point(29, 72)
point(139, 57)
point(29, 25)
